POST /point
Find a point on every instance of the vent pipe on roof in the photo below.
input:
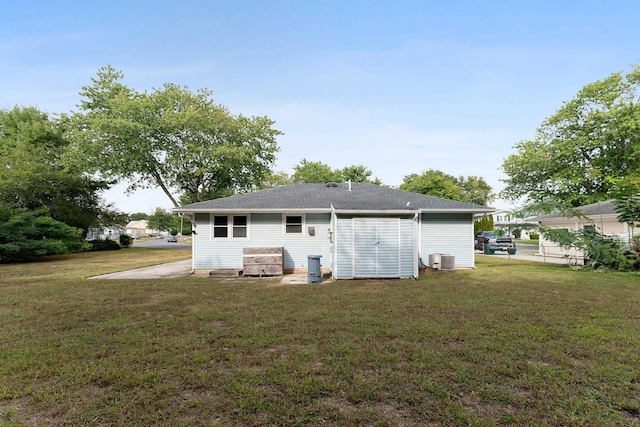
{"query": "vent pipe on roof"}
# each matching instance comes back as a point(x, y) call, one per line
point(349, 185)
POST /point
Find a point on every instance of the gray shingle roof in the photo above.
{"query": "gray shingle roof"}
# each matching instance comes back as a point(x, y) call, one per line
point(365, 197)
point(599, 208)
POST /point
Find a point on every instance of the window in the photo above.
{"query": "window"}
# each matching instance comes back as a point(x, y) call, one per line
point(239, 226)
point(232, 226)
point(293, 224)
point(220, 229)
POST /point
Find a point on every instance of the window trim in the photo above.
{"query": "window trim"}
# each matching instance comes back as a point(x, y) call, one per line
point(230, 226)
point(303, 224)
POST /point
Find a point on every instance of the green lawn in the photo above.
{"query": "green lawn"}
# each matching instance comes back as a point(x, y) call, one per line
point(508, 343)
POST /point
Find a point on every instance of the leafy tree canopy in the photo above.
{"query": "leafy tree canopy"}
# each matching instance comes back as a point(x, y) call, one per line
point(588, 151)
point(170, 138)
point(313, 172)
point(275, 179)
point(164, 221)
point(433, 182)
point(137, 216)
point(357, 173)
point(318, 172)
point(37, 170)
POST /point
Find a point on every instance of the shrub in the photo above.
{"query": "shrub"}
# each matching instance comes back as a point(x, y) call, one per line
point(25, 235)
point(601, 251)
point(125, 240)
point(634, 243)
point(103, 245)
point(173, 231)
point(534, 236)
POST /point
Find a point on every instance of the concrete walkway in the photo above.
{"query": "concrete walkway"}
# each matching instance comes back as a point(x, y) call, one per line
point(176, 269)
point(161, 271)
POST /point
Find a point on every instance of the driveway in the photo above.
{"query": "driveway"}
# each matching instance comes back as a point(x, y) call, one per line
point(532, 256)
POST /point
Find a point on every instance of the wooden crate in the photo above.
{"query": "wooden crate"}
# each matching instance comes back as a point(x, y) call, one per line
point(263, 261)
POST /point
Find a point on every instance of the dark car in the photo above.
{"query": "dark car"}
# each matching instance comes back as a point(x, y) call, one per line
point(488, 242)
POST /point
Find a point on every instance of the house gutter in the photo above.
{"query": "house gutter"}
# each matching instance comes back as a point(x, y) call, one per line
point(330, 210)
point(488, 210)
point(564, 219)
point(250, 210)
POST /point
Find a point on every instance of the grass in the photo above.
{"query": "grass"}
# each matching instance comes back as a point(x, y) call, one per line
point(510, 342)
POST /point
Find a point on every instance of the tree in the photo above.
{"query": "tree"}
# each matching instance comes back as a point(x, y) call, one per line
point(274, 179)
point(313, 172)
point(170, 138)
point(628, 209)
point(433, 182)
point(476, 190)
point(37, 170)
point(162, 220)
point(319, 173)
point(26, 235)
point(588, 151)
point(137, 216)
point(483, 224)
point(357, 173)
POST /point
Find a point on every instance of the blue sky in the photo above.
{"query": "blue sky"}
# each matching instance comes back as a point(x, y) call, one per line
point(398, 86)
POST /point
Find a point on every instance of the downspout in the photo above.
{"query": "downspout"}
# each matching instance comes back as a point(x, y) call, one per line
point(416, 246)
point(332, 240)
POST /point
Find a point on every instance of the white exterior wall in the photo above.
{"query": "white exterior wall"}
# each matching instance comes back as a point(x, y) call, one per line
point(264, 230)
point(447, 234)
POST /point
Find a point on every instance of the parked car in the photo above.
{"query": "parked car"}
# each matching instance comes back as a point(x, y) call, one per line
point(172, 239)
point(488, 243)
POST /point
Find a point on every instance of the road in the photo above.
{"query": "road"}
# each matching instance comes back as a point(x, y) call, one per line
point(160, 244)
point(527, 248)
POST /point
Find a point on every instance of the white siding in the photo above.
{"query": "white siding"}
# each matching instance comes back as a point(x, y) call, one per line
point(448, 234)
point(344, 248)
point(265, 230)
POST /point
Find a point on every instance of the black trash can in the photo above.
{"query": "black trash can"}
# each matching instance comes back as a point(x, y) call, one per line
point(314, 272)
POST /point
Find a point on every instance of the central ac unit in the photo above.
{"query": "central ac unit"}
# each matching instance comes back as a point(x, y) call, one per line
point(434, 261)
point(447, 262)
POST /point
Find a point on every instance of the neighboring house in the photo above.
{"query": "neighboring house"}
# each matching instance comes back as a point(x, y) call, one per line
point(508, 221)
point(111, 232)
point(360, 230)
point(139, 228)
point(601, 216)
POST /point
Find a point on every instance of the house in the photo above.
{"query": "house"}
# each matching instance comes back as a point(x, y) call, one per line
point(139, 228)
point(360, 230)
point(513, 224)
point(600, 216)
